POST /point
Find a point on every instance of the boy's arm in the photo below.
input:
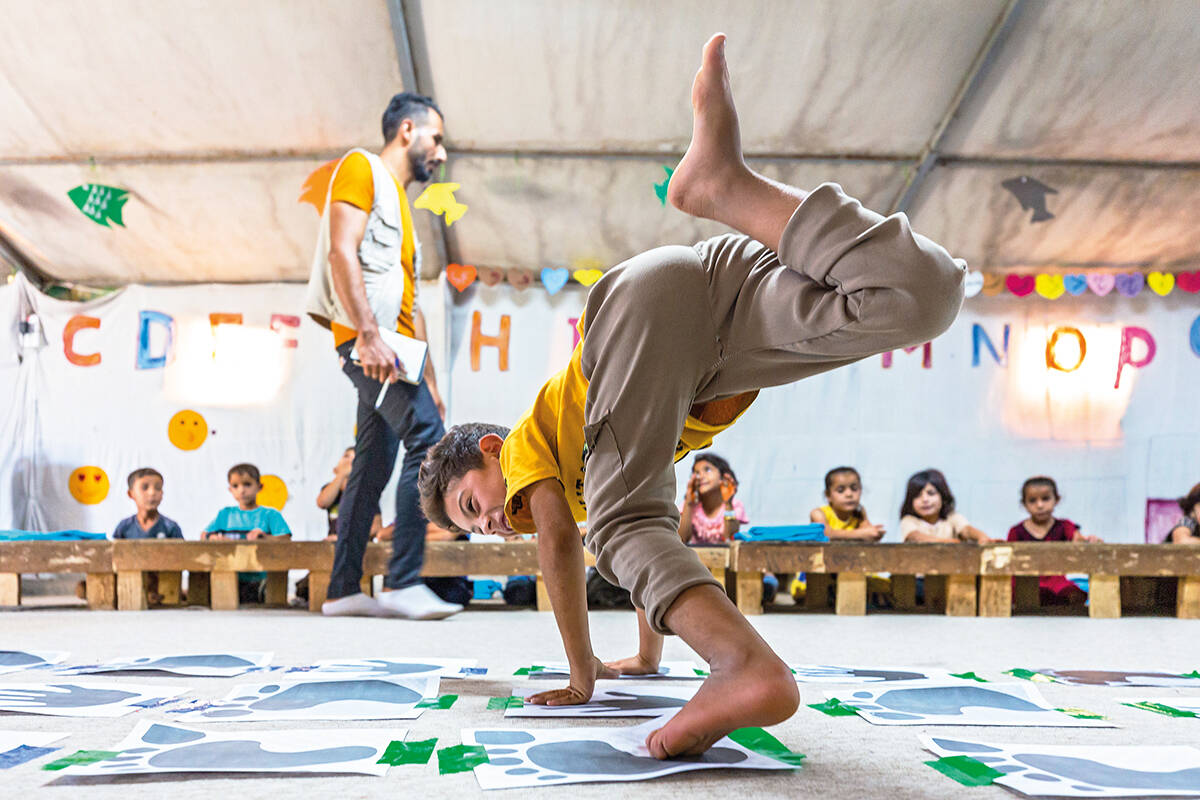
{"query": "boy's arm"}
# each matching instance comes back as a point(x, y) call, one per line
point(560, 555)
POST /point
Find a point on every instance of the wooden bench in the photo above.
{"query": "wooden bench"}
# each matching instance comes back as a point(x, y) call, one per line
point(964, 566)
point(94, 558)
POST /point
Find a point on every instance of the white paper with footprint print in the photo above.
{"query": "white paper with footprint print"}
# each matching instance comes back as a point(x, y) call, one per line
point(393, 667)
point(199, 665)
point(961, 703)
point(666, 669)
point(548, 757)
point(349, 698)
point(15, 660)
point(612, 699)
point(827, 673)
point(158, 747)
point(71, 698)
point(1083, 771)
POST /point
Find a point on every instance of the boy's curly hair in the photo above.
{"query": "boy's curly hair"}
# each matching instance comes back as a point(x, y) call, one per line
point(456, 454)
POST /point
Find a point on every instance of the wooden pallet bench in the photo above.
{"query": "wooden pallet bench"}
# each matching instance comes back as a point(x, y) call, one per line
point(94, 558)
point(967, 579)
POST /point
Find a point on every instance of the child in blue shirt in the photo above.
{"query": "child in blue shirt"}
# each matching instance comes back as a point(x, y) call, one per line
point(146, 492)
point(247, 520)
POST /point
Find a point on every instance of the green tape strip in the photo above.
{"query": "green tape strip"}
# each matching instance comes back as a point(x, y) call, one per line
point(966, 770)
point(81, 757)
point(443, 701)
point(460, 758)
point(1030, 675)
point(765, 744)
point(1193, 674)
point(703, 673)
point(408, 752)
point(967, 676)
point(529, 670)
point(1159, 708)
point(501, 703)
point(1080, 713)
point(835, 708)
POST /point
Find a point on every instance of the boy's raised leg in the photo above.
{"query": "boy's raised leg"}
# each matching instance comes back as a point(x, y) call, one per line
point(748, 684)
point(712, 180)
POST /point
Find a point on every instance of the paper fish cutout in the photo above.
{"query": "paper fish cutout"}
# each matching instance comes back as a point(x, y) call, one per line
point(1101, 284)
point(972, 284)
point(1130, 283)
point(587, 276)
point(490, 275)
point(1020, 285)
point(993, 284)
point(1075, 284)
point(1161, 283)
point(519, 278)
point(316, 185)
point(439, 198)
point(101, 204)
point(554, 279)
point(1031, 194)
point(1188, 281)
point(1050, 286)
point(460, 276)
point(660, 189)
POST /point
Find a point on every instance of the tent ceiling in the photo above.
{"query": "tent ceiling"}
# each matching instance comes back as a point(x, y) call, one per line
point(560, 117)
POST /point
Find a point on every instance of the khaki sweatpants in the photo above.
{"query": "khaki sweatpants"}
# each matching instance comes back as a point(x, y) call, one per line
point(680, 325)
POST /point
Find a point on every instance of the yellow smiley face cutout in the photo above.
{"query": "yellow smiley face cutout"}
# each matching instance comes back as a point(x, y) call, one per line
point(273, 493)
point(187, 430)
point(88, 485)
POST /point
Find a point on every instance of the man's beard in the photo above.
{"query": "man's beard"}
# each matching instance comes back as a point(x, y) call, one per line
point(418, 164)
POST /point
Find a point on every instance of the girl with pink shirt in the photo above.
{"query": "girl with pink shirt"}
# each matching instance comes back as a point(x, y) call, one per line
point(710, 514)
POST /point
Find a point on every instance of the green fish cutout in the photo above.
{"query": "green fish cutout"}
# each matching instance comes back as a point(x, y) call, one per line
point(100, 203)
point(660, 189)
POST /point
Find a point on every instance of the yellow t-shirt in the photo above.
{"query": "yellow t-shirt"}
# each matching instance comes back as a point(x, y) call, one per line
point(353, 184)
point(547, 441)
point(835, 522)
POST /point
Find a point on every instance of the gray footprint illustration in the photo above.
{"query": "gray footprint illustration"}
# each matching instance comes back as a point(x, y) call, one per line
point(311, 695)
point(378, 666)
point(17, 658)
point(216, 660)
point(70, 696)
point(881, 675)
point(593, 757)
point(625, 701)
point(249, 754)
point(1095, 773)
point(948, 700)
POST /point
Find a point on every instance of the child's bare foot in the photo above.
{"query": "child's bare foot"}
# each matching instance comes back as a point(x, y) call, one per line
point(634, 665)
point(758, 690)
point(714, 158)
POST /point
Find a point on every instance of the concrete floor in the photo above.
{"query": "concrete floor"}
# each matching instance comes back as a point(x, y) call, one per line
point(847, 757)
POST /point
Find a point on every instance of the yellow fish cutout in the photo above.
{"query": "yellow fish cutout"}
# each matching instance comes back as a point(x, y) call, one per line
point(439, 198)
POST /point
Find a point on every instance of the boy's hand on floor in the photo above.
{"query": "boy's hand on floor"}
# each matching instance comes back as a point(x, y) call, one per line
point(635, 665)
point(580, 690)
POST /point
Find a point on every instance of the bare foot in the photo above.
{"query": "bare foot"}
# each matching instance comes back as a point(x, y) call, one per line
point(634, 665)
point(758, 691)
point(714, 158)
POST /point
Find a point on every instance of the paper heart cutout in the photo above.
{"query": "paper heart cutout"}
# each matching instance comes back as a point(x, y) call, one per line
point(1130, 283)
point(587, 276)
point(972, 284)
point(460, 275)
point(1020, 285)
point(490, 276)
point(554, 279)
point(1161, 283)
point(1188, 281)
point(1101, 284)
point(519, 278)
point(1075, 285)
point(993, 284)
point(1050, 286)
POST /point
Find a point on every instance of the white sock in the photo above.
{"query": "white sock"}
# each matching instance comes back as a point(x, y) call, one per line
point(354, 605)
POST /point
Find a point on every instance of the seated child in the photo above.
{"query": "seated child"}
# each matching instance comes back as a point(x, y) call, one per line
point(146, 491)
point(247, 520)
point(710, 514)
point(1187, 529)
point(928, 514)
point(1039, 496)
point(813, 282)
point(843, 516)
point(331, 493)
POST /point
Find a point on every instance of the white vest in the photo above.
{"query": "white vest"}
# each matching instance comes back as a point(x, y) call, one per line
point(378, 256)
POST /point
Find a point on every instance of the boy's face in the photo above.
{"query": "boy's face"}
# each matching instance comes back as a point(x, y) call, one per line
point(244, 489)
point(146, 492)
point(475, 502)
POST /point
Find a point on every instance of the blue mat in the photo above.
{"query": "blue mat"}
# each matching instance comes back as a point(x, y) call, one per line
point(812, 532)
point(52, 536)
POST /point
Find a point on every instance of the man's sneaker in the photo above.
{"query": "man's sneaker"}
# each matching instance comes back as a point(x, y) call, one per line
point(416, 602)
point(354, 605)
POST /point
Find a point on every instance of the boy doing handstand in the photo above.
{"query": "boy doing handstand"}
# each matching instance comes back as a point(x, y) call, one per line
point(816, 282)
